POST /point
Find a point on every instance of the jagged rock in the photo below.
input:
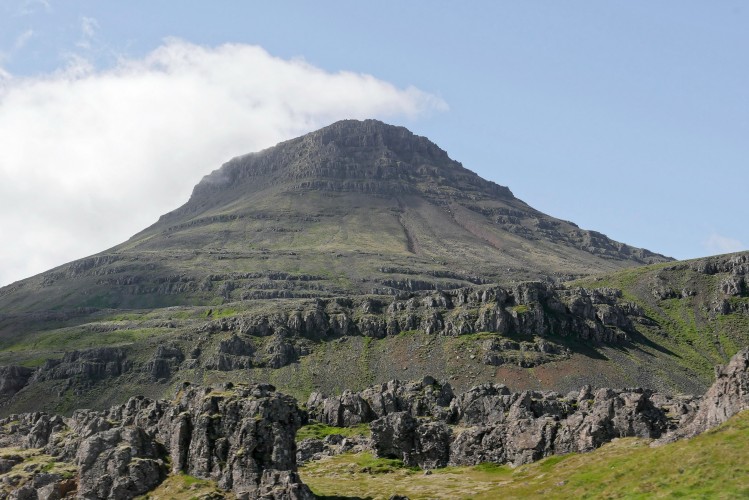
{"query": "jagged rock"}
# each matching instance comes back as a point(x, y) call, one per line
point(13, 379)
point(280, 351)
point(309, 448)
point(243, 438)
point(279, 485)
point(728, 395)
point(165, 360)
point(89, 364)
point(334, 444)
point(120, 463)
point(234, 353)
point(417, 442)
point(427, 397)
point(485, 404)
point(496, 424)
point(345, 411)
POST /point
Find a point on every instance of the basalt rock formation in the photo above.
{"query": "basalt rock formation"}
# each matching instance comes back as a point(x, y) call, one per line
point(243, 438)
point(484, 331)
point(240, 437)
point(426, 425)
point(725, 398)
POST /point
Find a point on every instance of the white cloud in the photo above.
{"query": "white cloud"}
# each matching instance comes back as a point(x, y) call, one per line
point(90, 157)
point(717, 244)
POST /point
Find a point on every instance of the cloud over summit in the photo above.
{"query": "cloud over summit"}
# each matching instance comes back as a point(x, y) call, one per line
point(90, 156)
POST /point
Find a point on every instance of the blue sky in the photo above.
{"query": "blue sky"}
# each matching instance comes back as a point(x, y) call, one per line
point(627, 117)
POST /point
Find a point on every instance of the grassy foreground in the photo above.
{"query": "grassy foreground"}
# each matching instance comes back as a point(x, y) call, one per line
point(712, 465)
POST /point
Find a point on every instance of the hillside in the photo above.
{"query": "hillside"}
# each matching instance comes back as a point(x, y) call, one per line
point(356, 207)
point(353, 255)
point(662, 326)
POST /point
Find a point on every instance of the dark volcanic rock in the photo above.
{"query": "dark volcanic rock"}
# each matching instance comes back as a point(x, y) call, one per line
point(89, 364)
point(13, 379)
point(242, 438)
point(413, 421)
point(425, 398)
point(119, 463)
point(418, 442)
point(165, 360)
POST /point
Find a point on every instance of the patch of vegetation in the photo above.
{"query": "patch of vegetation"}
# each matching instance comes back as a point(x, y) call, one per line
point(81, 338)
point(320, 431)
point(185, 487)
point(369, 464)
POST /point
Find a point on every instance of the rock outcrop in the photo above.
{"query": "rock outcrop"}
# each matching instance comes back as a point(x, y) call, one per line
point(532, 308)
point(242, 438)
point(728, 395)
point(424, 398)
point(425, 425)
point(13, 379)
point(86, 365)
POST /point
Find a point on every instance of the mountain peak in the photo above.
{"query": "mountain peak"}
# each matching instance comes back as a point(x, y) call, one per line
point(357, 207)
point(366, 156)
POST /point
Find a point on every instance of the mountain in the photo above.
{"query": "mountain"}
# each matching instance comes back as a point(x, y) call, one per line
point(353, 255)
point(356, 207)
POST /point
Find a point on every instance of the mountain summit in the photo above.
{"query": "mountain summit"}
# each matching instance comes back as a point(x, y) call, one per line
point(355, 207)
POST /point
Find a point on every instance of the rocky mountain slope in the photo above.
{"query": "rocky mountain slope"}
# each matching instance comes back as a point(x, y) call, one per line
point(242, 438)
point(351, 256)
point(356, 207)
point(662, 327)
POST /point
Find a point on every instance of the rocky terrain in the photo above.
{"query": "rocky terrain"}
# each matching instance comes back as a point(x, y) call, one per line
point(242, 438)
point(329, 266)
point(662, 327)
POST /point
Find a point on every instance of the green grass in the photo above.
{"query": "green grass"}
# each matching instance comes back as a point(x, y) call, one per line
point(684, 325)
point(80, 338)
point(319, 431)
point(712, 465)
point(521, 309)
point(185, 487)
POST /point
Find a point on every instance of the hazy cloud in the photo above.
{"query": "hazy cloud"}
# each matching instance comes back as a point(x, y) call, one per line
point(18, 44)
point(90, 157)
point(89, 26)
point(22, 39)
point(717, 244)
point(27, 7)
